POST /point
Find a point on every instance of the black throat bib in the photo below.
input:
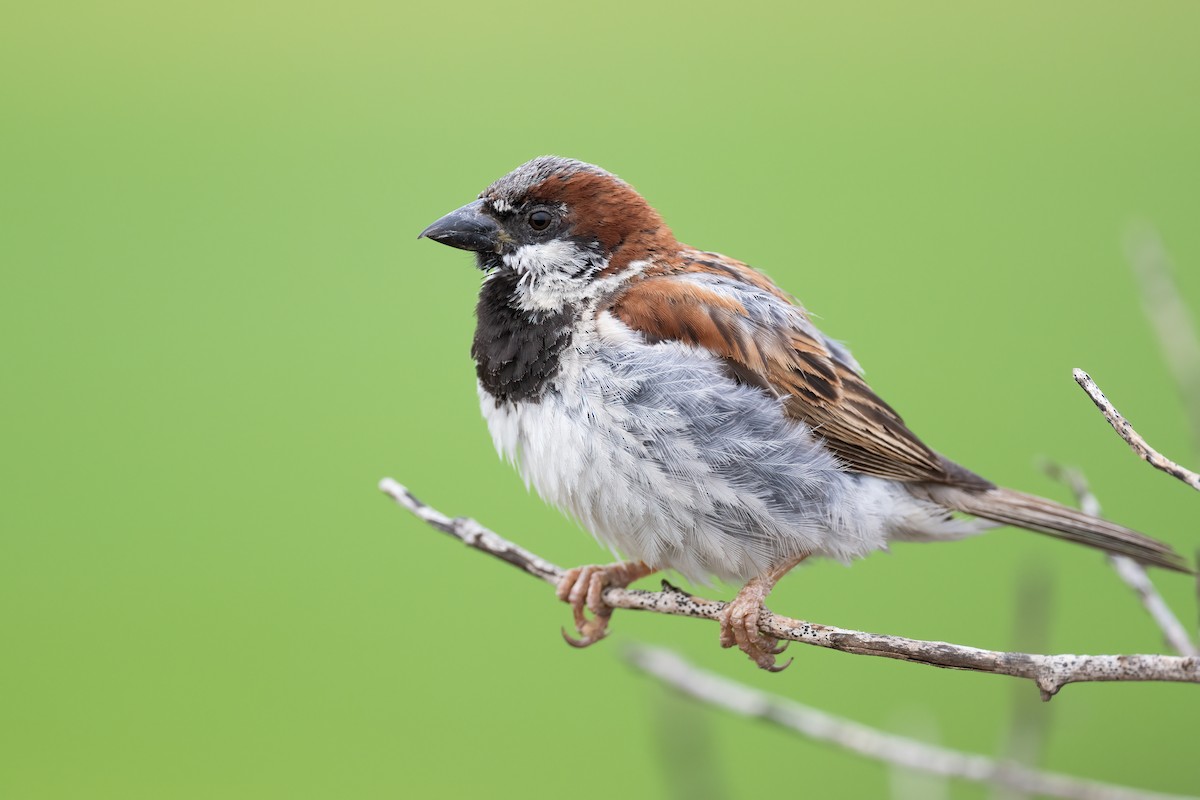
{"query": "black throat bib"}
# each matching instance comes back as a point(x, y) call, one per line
point(516, 351)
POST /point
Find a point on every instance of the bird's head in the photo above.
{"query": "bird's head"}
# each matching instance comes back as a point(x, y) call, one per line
point(562, 226)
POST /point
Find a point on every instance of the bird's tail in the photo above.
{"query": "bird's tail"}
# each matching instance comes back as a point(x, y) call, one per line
point(1046, 516)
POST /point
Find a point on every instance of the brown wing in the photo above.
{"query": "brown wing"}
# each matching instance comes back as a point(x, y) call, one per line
point(767, 341)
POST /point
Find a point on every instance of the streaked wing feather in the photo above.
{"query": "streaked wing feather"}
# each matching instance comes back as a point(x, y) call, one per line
point(768, 341)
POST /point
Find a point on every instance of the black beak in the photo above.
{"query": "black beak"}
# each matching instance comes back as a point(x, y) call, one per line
point(467, 228)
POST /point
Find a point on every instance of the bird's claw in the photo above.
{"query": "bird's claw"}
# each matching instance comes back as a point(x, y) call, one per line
point(583, 588)
point(739, 628)
point(589, 637)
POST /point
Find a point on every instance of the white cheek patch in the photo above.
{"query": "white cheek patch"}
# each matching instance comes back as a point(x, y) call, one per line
point(555, 255)
point(553, 274)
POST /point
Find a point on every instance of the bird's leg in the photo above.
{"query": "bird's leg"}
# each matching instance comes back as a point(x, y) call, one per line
point(583, 587)
point(739, 624)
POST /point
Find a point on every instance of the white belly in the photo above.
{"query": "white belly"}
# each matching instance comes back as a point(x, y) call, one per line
point(667, 460)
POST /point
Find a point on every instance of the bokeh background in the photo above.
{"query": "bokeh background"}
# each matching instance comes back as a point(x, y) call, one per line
point(219, 332)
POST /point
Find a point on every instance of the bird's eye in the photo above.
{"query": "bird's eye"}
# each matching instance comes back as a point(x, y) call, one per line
point(540, 220)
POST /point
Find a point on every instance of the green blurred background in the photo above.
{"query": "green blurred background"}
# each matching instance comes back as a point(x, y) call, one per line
point(219, 332)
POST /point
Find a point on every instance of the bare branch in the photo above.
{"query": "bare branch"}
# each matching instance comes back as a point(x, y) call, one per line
point(1130, 571)
point(867, 741)
point(1049, 672)
point(1132, 437)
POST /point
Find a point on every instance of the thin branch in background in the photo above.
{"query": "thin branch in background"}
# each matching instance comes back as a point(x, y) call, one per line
point(1175, 634)
point(1074, 480)
point(1131, 572)
point(905, 783)
point(1170, 318)
point(1026, 738)
point(688, 756)
point(1132, 437)
point(866, 741)
point(1049, 672)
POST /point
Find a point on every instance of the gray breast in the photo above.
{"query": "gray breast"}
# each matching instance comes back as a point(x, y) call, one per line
point(663, 457)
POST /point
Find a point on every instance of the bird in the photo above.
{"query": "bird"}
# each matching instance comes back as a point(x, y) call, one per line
point(688, 412)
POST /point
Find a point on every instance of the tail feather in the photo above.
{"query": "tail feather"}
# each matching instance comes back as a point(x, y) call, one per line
point(1046, 516)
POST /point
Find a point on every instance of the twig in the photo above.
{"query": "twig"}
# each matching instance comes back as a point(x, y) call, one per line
point(867, 741)
point(1075, 480)
point(1049, 672)
point(1198, 586)
point(1134, 574)
point(1131, 572)
point(1132, 437)
point(1168, 315)
point(688, 754)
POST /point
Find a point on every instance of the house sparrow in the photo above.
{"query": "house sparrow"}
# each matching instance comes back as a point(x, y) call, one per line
point(688, 412)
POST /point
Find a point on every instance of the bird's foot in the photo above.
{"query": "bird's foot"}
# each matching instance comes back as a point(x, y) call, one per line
point(739, 627)
point(583, 587)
